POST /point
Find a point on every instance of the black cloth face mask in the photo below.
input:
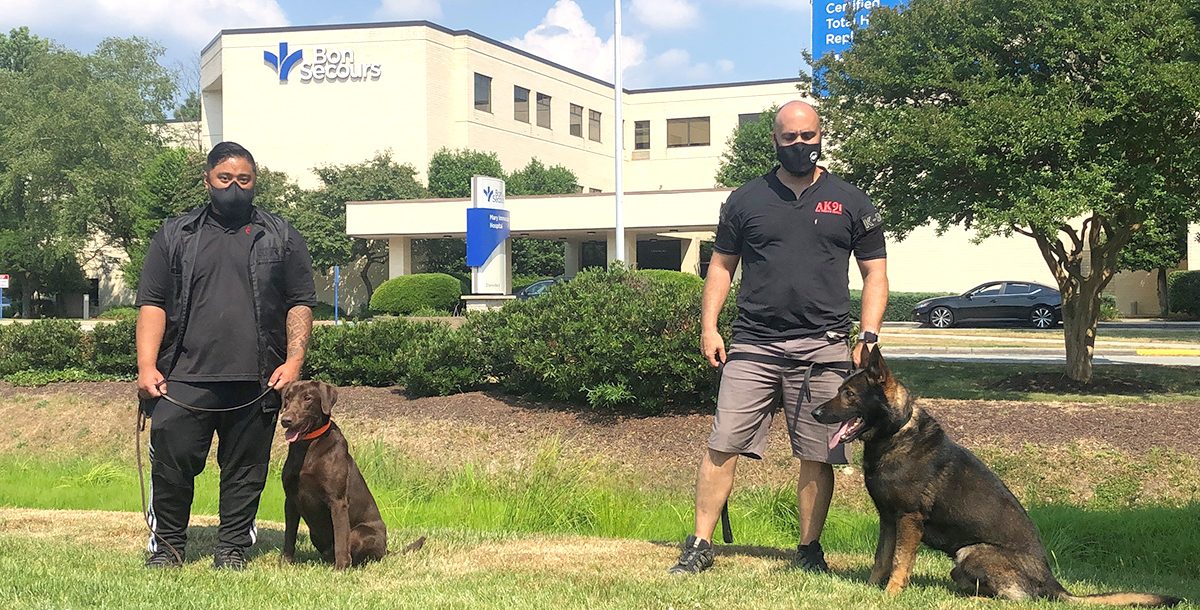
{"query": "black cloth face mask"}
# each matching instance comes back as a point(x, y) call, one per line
point(799, 159)
point(232, 202)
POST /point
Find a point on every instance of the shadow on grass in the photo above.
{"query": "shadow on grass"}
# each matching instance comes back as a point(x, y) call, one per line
point(202, 542)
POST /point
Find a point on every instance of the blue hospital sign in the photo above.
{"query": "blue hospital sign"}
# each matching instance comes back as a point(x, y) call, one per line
point(487, 228)
point(487, 237)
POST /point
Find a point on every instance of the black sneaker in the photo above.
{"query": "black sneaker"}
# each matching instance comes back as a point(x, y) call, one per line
point(163, 559)
point(811, 558)
point(697, 556)
point(230, 558)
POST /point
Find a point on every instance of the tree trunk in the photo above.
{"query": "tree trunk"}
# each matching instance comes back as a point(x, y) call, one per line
point(1164, 303)
point(27, 298)
point(365, 274)
point(1081, 315)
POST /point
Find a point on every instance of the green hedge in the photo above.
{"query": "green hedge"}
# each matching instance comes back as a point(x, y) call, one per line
point(408, 293)
point(1183, 292)
point(618, 338)
point(41, 345)
point(899, 307)
point(688, 281)
point(123, 312)
point(112, 347)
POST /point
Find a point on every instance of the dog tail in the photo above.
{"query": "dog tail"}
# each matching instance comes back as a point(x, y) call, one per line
point(1140, 600)
point(414, 546)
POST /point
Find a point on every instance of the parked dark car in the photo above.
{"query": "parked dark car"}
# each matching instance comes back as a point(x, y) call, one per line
point(1035, 304)
point(537, 288)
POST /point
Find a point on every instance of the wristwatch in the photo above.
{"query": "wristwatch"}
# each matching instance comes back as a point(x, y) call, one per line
point(868, 337)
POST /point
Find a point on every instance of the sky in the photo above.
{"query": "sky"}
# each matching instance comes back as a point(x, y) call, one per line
point(664, 42)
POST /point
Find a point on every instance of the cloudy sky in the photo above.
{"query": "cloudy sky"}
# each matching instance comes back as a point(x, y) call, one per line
point(665, 42)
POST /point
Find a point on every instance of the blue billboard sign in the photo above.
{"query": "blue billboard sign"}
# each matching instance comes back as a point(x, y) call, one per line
point(831, 27)
point(487, 228)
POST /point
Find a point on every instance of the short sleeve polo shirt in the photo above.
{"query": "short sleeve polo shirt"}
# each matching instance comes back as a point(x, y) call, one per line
point(795, 255)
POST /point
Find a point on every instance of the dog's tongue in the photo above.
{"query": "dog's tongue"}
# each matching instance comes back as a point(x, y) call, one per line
point(292, 436)
point(836, 439)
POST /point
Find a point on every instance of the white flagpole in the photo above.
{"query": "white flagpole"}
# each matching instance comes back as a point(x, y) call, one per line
point(618, 129)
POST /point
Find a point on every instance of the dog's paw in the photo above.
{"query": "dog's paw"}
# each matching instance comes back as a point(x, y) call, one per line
point(893, 589)
point(287, 559)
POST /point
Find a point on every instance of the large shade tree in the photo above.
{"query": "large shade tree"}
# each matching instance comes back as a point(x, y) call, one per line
point(1072, 123)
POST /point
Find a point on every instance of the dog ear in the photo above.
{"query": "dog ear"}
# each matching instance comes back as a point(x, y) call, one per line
point(877, 369)
point(328, 398)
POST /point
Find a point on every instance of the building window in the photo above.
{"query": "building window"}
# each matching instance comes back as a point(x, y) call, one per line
point(543, 110)
point(577, 120)
point(641, 135)
point(592, 190)
point(594, 125)
point(483, 92)
point(521, 104)
point(748, 117)
point(687, 132)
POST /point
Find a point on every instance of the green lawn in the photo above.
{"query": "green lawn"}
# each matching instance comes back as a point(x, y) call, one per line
point(971, 381)
point(550, 535)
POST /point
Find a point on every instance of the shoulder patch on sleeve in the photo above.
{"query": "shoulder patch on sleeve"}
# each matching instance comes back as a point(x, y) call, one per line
point(872, 221)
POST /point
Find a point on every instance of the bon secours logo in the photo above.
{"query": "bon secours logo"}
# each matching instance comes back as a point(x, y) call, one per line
point(326, 65)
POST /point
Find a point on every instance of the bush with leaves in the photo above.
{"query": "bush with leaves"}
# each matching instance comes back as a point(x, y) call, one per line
point(619, 337)
point(445, 361)
point(407, 293)
point(42, 345)
point(113, 348)
point(1184, 291)
point(364, 353)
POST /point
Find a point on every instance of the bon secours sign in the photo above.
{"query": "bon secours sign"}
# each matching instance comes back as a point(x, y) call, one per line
point(320, 64)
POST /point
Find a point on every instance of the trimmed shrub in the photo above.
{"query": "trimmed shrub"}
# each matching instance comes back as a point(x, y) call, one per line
point(40, 345)
point(899, 307)
point(123, 312)
point(363, 353)
point(408, 293)
point(1183, 292)
point(113, 348)
point(1108, 308)
point(684, 280)
point(445, 361)
point(620, 337)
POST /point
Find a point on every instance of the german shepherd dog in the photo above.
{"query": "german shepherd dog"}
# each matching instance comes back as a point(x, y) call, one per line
point(929, 489)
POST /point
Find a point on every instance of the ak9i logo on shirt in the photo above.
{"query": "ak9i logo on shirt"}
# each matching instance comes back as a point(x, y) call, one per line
point(829, 207)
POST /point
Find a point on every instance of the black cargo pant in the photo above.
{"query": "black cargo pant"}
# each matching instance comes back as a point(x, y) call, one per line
point(179, 444)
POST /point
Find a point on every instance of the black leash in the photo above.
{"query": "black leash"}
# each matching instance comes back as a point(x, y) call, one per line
point(805, 394)
point(137, 449)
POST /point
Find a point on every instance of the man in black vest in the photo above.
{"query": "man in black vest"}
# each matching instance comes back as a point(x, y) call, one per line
point(793, 231)
point(225, 312)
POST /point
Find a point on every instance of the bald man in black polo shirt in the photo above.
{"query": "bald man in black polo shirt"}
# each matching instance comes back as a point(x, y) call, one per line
point(793, 231)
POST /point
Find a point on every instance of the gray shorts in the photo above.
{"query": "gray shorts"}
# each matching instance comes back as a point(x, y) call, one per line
point(751, 392)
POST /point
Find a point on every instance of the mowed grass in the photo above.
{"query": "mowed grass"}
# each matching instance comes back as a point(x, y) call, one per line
point(552, 534)
point(978, 381)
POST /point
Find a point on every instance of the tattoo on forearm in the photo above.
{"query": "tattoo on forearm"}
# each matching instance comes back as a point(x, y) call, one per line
point(299, 329)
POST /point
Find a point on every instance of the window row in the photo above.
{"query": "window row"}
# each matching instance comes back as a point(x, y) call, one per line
point(521, 110)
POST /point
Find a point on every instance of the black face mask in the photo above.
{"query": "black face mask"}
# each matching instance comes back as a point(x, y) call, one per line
point(232, 202)
point(799, 159)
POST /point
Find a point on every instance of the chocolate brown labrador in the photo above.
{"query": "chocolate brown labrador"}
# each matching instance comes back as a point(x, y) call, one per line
point(322, 483)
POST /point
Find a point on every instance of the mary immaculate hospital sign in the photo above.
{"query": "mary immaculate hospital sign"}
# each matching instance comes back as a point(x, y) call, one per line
point(322, 65)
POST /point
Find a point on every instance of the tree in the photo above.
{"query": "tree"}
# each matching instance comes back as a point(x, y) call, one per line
point(1158, 246)
point(320, 214)
point(72, 142)
point(1071, 123)
point(749, 151)
point(189, 108)
point(450, 171)
point(170, 184)
point(542, 257)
